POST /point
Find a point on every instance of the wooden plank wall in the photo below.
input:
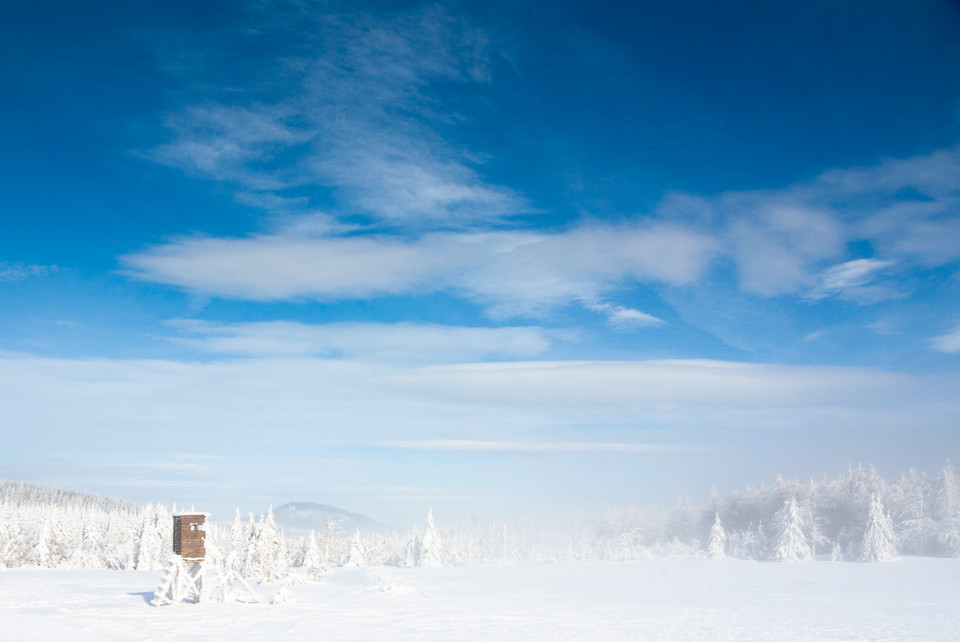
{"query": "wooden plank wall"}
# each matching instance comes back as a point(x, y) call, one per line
point(188, 538)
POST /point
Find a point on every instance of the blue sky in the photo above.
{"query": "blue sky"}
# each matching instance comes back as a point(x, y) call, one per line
point(487, 259)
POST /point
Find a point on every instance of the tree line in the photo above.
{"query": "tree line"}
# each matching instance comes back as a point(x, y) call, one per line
point(856, 516)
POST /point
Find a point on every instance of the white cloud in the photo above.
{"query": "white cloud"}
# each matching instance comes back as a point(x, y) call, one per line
point(358, 116)
point(712, 394)
point(512, 273)
point(931, 177)
point(791, 241)
point(407, 342)
point(212, 407)
point(215, 407)
point(852, 280)
point(406, 181)
point(622, 318)
point(777, 245)
point(784, 241)
point(287, 420)
point(906, 207)
point(884, 327)
point(922, 232)
point(361, 119)
point(949, 342)
point(270, 268)
point(234, 144)
point(18, 271)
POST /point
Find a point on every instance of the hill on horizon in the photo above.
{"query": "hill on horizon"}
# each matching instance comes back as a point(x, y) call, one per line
point(303, 517)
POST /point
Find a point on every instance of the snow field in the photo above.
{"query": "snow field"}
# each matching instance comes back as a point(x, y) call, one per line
point(671, 599)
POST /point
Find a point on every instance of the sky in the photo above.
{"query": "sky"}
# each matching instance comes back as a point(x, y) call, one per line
point(490, 258)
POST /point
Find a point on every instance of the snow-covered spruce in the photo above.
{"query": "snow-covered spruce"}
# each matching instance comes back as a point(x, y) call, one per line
point(718, 540)
point(791, 544)
point(879, 541)
point(358, 554)
point(430, 545)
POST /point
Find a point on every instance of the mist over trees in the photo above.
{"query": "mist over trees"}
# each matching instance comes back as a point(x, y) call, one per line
point(856, 516)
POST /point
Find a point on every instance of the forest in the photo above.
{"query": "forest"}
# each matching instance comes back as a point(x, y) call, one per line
point(856, 516)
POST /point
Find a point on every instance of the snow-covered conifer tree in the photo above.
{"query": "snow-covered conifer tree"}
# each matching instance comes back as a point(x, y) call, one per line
point(118, 549)
point(628, 543)
point(213, 584)
point(264, 549)
point(257, 554)
point(89, 554)
point(910, 498)
point(67, 533)
point(40, 551)
point(718, 539)
point(274, 549)
point(816, 537)
point(429, 554)
point(949, 536)
point(235, 544)
point(947, 493)
point(250, 566)
point(948, 511)
point(762, 544)
point(271, 540)
point(358, 554)
point(283, 553)
point(836, 554)
point(150, 551)
point(743, 544)
point(879, 541)
point(312, 557)
point(791, 544)
point(334, 546)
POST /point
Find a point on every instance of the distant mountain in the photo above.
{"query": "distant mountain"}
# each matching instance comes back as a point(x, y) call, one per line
point(299, 518)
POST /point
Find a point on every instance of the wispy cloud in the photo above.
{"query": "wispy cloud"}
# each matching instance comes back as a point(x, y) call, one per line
point(512, 273)
point(885, 327)
point(776, 246)
point(719, 394)
point(783, 242)
point(278, 415)
point(905, 207)
point(235, 144)
point(18, 271)
point(622, 318)
point(357, 116)
point(949, 342)
point(407, 342)
point(794, 240)
point(367, 112)
point(853, 280)
point(317, 402)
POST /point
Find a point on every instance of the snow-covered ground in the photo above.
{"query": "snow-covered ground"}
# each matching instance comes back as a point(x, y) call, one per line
point(675, 599)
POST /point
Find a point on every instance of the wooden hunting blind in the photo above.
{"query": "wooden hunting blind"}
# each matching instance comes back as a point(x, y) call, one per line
point(188, 536)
